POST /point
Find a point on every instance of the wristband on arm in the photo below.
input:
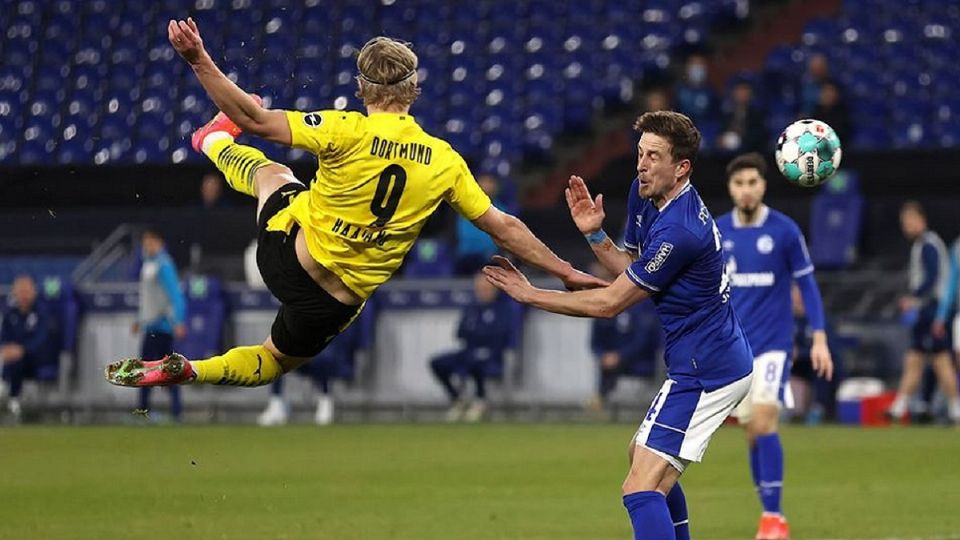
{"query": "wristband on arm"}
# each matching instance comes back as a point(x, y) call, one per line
point(597, 237)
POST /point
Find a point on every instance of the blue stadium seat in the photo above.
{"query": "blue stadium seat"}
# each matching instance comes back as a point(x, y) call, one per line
point(283, 49)
point(835, 222)
point(206, 314)
point(429, 258)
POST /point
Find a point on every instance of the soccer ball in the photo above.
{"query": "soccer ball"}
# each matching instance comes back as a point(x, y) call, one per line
point(808, 152)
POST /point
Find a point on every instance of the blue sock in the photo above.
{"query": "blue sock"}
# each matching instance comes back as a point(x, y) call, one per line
point(649, 515)
point(770, 461)
point(677, 503)
point(755, 467)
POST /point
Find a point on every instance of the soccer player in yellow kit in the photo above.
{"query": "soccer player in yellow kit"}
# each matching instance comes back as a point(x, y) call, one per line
point(323, 250)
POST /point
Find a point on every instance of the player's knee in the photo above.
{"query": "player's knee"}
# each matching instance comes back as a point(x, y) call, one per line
point(764, 420)
point(634, 483)
point(290, 363)
point(272, 177)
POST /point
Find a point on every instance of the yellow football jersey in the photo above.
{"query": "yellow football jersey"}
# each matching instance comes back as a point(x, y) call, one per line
point(379, 178)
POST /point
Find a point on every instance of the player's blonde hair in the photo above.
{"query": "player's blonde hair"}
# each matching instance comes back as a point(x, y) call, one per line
point(387, 73)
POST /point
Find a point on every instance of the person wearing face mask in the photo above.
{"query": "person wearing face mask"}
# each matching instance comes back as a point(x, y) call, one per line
point(694, 96)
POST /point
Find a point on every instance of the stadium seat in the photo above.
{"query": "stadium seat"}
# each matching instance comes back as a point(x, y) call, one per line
point(206, 315)
point(429, 258)
point(835, 222)
point(585, 49)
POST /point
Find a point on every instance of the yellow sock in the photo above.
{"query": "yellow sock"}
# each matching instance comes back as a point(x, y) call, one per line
point(240, 366)
point(237, 162)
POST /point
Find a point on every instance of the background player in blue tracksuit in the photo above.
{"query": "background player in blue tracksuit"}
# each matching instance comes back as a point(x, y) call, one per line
point(950, 300)
point(24, 341)
point(624, 345)
point(672, 257)
point(162, 313)
point(928, 275)
point(765, 254)
point(484, 331)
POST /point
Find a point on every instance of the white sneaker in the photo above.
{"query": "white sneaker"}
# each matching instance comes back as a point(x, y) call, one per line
point(14, 407)
point(276, 413)
point(475, 412)
point(953, 412)
point(455, 412)
point(324, 414)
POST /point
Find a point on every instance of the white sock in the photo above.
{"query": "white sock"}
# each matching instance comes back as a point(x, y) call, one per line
point(954, 409)
point(212, 138)
point(899, 406)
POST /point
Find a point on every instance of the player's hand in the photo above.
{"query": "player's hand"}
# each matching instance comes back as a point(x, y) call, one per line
point(505, 276)
point(587, 213)
point(135, 328)
point(610, 360)
point(908, 303)
point(576, 280)
point(820, 357)
point(185, 38)
point(938, 329)
point(179, 331)
point(12, 352)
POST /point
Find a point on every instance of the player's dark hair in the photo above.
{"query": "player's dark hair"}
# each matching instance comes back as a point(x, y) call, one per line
point(677, 128)
point(753, 160)
point(151, 231)
point(914, 206)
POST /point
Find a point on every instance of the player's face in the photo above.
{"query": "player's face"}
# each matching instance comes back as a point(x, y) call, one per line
point(151, 245)
point(657, 171)
point(485, 291)
point(747, 188)
point(912, 223)
point(24, 293)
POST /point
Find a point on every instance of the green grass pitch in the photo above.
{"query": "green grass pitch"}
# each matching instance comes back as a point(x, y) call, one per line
point(516, 481)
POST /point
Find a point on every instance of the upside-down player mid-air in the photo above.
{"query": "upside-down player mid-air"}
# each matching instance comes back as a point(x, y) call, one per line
point(673, 257)
point(323, 250)
point(765, 254)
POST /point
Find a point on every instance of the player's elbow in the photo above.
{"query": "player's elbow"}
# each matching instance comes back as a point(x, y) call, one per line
point(606, 308)
point(252, 124)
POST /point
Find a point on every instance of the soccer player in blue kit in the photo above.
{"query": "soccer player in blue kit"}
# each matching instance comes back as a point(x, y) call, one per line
point(765, 253)
point(673, 257)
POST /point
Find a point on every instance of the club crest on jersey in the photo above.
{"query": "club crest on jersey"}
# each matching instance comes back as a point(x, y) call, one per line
point(661, 257)
point(765, 244)
point(313, 120)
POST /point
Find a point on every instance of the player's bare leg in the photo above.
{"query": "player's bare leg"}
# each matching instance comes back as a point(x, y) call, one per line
point(913, 364)
point(645, 490)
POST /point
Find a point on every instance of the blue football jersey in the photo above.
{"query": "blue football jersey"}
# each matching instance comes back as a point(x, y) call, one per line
point(680, 263)
point(762, 261)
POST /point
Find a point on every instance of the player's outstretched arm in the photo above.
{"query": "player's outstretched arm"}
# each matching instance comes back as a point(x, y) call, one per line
point(230, 98)
point(605, 302)
point(588, 215)
point(820, 355)
point(512, 235)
